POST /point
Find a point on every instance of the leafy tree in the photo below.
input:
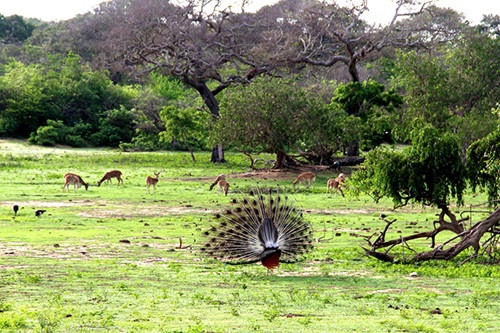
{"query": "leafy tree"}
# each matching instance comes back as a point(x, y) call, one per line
point(374, 107)
point(184, 125)
point(428, 172)
point(117, 127)
point(268, 116)
point(453, 91)
point(483, 164)
point(24, 98)
point(14, 29)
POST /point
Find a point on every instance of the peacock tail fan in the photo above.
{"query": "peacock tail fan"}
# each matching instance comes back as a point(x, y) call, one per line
point(261, 226)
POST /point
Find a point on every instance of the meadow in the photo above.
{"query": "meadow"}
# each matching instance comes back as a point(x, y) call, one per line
point(118, 259)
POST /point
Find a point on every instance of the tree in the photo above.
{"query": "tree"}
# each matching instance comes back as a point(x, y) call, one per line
point(429, 172)
point(183, 124)
point(483, 164)
point(268, 116)
point(373, 105)
point(202, 43)
point(26, 104)
point(14, 29)
point(324, 34)
point(452, 90)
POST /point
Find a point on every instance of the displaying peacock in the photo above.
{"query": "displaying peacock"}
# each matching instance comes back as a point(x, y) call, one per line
point(262, 226)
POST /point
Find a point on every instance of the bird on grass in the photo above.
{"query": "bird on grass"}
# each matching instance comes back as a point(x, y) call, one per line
point(15, 208)
point(39, 212)
point(263, 226)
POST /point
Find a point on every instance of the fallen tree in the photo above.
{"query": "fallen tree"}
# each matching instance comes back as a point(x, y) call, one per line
point(470, 238)
point(430, 173)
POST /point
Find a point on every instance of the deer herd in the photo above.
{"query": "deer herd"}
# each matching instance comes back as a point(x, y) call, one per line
point(333, 185)
point(77, 181)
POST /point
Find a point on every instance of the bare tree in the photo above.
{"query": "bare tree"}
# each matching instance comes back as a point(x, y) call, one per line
point(201, 42)
point(322, 33)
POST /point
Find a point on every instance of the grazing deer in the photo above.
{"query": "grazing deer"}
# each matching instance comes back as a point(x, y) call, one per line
point(308, 177)
point(77, 181)
point(152, 181)
point(334, 184)
point(111, 174)
point(216, 181)
point(223, 184)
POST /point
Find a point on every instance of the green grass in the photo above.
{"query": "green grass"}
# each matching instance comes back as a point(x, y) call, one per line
point(108, 259)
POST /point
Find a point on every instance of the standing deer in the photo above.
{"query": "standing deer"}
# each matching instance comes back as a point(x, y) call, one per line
point(152, 181)
point(334, 184)
point(111, 174)
point(308, 177)
point(223, 185)
point(77, 181)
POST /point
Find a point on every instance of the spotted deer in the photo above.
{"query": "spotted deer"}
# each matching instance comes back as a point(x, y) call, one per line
point(111, 174)
point(75, 180)
point(152, 181)
point(223, 185)
point(333, 184)
point(306, 177)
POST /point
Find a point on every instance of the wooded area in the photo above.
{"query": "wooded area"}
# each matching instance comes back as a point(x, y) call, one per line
point(309, 81)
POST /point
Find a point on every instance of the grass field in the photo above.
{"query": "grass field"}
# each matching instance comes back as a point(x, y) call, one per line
point(117, 259)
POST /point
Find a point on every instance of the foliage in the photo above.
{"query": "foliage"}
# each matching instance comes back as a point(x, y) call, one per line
point(483, 164)
point(185, 125)
point(117, 127)
point(14, 29)
point(429, 172)
point(267, 116)
point(24, 100)
point(451, 90)
point(373, 105)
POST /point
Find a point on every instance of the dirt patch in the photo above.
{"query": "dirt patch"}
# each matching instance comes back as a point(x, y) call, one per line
point(53, 204)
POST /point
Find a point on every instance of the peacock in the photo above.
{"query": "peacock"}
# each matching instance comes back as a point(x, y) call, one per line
point(262, 226)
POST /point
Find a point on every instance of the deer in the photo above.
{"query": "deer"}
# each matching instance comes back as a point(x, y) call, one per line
point(223, 184)
point(111, 174)
point(77, 181)
point(152, 181)
point(308, 177)
point(334, 184)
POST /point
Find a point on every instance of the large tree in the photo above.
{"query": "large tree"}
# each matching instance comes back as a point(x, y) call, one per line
point(430, 172)
point(452, 89)
point(204, 43)
point(325, 34)
point(271, 116)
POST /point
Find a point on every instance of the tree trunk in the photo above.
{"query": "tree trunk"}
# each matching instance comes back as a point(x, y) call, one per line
point(188, 147)
point(280, 159)
point(218, 154)
point(208, 98)
point(353, 149)
point(213, 105)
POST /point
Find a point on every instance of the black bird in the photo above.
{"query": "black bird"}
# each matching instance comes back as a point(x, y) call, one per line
point(262, 227)
point(39, 212)
point(15, 208)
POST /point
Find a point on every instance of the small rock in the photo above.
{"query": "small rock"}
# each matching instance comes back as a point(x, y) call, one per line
point(413, 274)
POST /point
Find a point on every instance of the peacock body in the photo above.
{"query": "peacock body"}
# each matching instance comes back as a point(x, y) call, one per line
point(263, 226)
